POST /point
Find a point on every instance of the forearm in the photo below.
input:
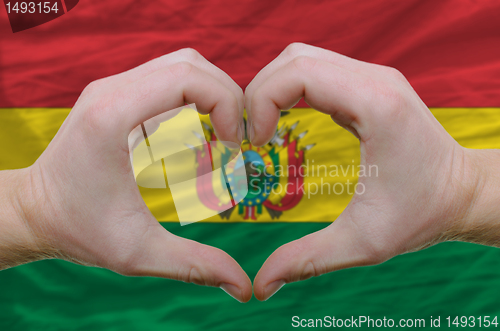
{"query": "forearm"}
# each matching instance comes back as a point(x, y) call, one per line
point(18, 243)
point(481, 224)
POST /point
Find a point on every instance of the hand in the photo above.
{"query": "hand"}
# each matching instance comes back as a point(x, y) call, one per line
point(79, 200)
point(82, 201)
point(426, 182)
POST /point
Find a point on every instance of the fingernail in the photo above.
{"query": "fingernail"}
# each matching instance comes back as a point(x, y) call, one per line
point(272, 288)
point(241, 132)
point(232, 290)
point(250, 130)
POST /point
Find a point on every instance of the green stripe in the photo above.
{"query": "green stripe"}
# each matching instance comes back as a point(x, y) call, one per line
point(448, 279)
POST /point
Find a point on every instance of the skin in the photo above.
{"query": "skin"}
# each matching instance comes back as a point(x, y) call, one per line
point(80, 202)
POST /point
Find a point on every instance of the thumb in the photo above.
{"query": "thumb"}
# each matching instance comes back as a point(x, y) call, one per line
point(338, 246)
point(166, 255)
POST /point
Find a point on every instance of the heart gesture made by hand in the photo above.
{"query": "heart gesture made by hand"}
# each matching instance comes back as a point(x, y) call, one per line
point(79, 201)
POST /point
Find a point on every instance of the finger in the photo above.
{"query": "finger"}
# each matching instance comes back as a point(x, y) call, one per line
point(168, 256)
point(333, 248)
point(299, 49)
point(167, 89)
point(136, 136)
point(326, 87)
point(184, 55)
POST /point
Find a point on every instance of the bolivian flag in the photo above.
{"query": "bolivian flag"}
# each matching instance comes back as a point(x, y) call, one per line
point(298, 183)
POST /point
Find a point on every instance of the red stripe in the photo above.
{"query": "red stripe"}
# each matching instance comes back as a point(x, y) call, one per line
point(449, 50)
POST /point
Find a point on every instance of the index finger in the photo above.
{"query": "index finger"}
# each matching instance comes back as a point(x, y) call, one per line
point(341, 93)
point(117, 114)
point(295, 50)
point(183, 55)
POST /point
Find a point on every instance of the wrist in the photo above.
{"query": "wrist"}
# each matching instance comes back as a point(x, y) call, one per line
point(19, 243)
point(480, 222)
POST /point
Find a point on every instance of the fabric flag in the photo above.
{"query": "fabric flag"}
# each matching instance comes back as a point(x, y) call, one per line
point(449, 52)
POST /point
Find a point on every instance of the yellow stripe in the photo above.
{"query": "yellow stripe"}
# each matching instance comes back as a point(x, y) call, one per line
point(26, 132)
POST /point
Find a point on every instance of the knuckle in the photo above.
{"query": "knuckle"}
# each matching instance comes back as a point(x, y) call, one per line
point(396, 74)
point(92, 88)
point(393, 73)
point(310, 269)
point(390, 100)
point(307, 265)
point(193, 276)
point(295, 49)
point(193, 270)
point(190, 54)
point(304, 63)
point(181, 69)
